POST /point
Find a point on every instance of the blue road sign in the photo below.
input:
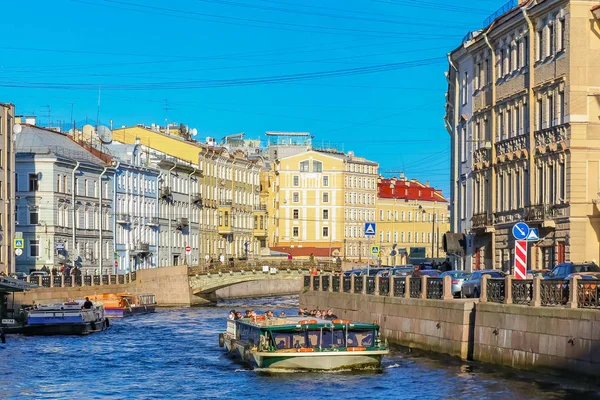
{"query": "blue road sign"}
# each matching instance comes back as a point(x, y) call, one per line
point(533, 235)
point(60, 246)
point(19, 244)
point(520, 230)
point(370, 229)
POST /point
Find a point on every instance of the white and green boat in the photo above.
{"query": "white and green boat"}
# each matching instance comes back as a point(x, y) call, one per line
point(301, 343)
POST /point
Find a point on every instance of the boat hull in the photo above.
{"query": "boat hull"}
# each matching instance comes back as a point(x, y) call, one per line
point(314, 361)
point(119, 312)
point(84, 328)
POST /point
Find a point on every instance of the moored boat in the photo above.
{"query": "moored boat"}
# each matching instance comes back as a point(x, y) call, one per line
point(65, 319)
point(304, 343)
point(121, 305)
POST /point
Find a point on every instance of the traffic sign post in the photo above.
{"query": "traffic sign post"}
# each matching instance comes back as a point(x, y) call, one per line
point(520, 259)
point(374, 250)
point(370, 231)
point(188, 249)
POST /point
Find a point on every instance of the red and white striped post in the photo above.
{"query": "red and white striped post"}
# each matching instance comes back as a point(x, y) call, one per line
point(520, 259)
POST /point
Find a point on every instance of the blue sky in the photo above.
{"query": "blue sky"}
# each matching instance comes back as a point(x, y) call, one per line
point(361, 75)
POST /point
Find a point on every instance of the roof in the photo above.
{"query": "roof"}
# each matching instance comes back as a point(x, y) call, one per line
point(408, 190)
point(36, 140)
point(287, 133)
point(305, 251)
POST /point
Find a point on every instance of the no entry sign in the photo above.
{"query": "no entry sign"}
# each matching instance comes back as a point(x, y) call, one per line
point(520, 259)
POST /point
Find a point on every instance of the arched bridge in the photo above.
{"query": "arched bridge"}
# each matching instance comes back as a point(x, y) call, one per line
point(205, 284)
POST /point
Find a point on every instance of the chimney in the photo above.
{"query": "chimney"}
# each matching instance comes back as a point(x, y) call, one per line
point(427, 183)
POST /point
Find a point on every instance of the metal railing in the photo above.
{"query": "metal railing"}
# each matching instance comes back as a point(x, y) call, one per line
point(554, 292)
point(306, 281)
point(496, 290)
point(335, 283)
point(347, 284)
point(415, 287)
point(370, 285)
point(358, 284)
point(57, 281)
point(325, 283)
point(588, 294)
point(316, 282)
point(384, 286)
point(399, 287)
point(522, 291)
point(434, 288)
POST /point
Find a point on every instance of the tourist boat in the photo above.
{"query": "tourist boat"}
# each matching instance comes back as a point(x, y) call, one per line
point(301, 343)
point(125, 304)
point(65, 319)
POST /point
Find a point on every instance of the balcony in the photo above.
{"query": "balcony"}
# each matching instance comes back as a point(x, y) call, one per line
point(225, 229)
point(182, 223)
point(123, 219)
point(142, 247)
point(152, 221)
point(259, 232)
point(225, 203)
point(512, 145)
point(482, 220)
point(260, 208)
point(165, 193)
point(545, 213)
point(549, 139)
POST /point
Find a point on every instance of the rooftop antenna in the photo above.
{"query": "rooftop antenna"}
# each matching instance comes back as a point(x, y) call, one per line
point(49, 119)
point(166, 108)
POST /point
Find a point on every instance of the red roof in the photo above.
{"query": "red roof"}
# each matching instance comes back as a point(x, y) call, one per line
point(408, 190)
point(306, 251)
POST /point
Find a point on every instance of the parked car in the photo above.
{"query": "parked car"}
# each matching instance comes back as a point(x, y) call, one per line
point(18, 275)
point(471, 286)
point(458, 277)
point(356, 271)
point(561, 271)
point(584, 276)
point(432, 273)
point(35, 274)
point(536, 272)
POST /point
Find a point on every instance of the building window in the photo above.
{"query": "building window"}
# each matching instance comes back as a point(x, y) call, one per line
point(34, 217)
point(402, 237)
point(295, 197)
point(540, 111)
point(296, 180)
point(256, 222)
point(325, 231)
point(403, 216)
point(465, 84)
point(317, 166)
point(220, 218)
point(325, 197)
point(304, 166)
point(33, 183)
point(325, 181)
point(551, 110)
point(295, 231)
point(410, 216)
point(381, 215)
point(409, 237)
point(463, 141)
point(539, 44)
point(34, 248)
point(325, 214)
point(562, 33)
point(552, 39)
point(296, 213)
point(561, 107)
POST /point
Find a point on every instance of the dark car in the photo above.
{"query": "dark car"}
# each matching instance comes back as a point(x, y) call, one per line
point(353, 272)
point(536, 272)
point(432, 273)
point(562, 271)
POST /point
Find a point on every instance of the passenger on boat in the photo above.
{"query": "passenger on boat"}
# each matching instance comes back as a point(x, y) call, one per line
point(238, 315)
point(282, 315)
point(330, 315)
point(232, 314)
point(88, 304)
point(318, 314)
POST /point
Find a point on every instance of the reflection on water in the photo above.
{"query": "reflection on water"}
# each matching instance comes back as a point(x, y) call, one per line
point(174, 354)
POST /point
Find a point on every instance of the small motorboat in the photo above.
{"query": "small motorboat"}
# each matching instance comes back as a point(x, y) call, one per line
point(125, 304)
point(65, 319)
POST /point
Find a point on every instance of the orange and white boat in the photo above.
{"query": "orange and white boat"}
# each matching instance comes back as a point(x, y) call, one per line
point(121, 305)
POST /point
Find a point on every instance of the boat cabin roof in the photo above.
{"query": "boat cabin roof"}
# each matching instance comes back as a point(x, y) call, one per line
point(295, 322)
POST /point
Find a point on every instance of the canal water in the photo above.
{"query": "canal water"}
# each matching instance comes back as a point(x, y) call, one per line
point(174, 353)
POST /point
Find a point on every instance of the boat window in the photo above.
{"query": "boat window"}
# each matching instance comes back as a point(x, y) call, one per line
point(335, 338)
point(361, 337)
point(289, 340)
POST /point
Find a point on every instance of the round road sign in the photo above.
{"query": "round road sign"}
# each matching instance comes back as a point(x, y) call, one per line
point(520, 230)
point(18, 252)
point(188, 249)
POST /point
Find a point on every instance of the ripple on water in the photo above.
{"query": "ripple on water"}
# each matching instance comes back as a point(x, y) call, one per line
point(174, 354)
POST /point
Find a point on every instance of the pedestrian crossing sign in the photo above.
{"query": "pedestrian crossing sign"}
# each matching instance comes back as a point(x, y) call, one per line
point(370, 229)
point(533, 235)
point(374, 249)
point(19, 244)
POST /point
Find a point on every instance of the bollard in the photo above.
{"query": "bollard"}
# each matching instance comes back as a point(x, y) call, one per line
point(424, 286)
point(352, 283)
point(377, 278)
point(447, 288)
point(407, 287)
point(364, 288)
point(508, 290)
point(391, 291)
point(330, 283)
point(573, 292)
point(537, 291)
point(483, 288)
point(62, 281)
point(312, 283)
point(51, 280)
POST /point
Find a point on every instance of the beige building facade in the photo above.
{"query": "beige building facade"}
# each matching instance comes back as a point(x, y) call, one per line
point(7, 187)
point(531, 133)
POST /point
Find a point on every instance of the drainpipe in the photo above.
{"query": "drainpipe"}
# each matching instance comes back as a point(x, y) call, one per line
point(530, 101)
point(189, 212)
point(100, 219)
point(116, 206)
point(493, 193)
point(73, 188)
point(157, 213)
point(169, 215)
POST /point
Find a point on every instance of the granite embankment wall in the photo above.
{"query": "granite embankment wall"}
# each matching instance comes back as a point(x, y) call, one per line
point(260, 288)
point(526, 337)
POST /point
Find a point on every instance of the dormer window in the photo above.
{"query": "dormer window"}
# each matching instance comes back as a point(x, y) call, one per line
point(317, 166)
point(304, 166)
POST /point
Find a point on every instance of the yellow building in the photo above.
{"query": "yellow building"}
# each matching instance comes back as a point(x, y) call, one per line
point(411, 218)
point(225, 187)
point(319, 202)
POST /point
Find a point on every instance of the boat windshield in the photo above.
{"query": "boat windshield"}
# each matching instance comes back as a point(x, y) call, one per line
point(325, 338)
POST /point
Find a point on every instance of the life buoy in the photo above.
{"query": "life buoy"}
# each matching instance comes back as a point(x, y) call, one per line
point(305, 350)
point(221, 340)
point(355, 349)
point(340, 321)
point(259, 318)
point(308, 321)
